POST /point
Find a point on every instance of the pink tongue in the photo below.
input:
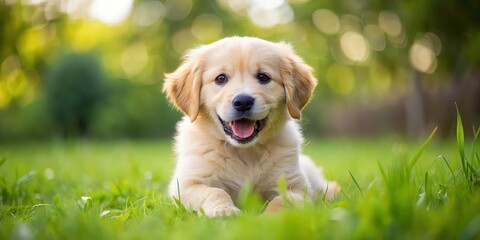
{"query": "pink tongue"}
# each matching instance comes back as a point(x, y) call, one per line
point(242, 128)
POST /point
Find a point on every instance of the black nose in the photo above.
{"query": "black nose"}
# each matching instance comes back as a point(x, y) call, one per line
point(243, 103)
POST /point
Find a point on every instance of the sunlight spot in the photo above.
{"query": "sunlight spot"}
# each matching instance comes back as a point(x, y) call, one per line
point(85, 199)
point(134, 59)
point(237, 7)
point(390, 23)
point(148, 13)
point(340, 79)
point(104, 213)
point(33, 2)
point(435, 41)
point(354, 46)
point(148, 175)
point(22, 231)
point(49, 173)
point(422, 57)
point(74, 8)
point(111, 11)
point(268, 13)
point(326, 21)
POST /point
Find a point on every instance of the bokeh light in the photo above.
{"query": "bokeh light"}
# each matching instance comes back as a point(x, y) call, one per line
point(390, 23)
point(111, 11)
point(326, 21)
point(237, 7)
point(148, 12)
point(435, 41)
point(422, 56)
point(354, 46)
point(268, 13)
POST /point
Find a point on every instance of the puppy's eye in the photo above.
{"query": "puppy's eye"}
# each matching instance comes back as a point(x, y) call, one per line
point(221, 79)
point(263, 78)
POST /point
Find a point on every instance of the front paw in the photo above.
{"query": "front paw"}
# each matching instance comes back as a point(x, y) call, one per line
point(221, 210)
point(274, 205)
point(333, 189)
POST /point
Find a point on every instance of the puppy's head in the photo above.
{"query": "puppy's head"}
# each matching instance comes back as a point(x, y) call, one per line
point(246, 86)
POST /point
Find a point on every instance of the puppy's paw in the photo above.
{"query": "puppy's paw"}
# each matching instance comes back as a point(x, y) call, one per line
point(222, 210)
point(332, 190)
point(274, 206)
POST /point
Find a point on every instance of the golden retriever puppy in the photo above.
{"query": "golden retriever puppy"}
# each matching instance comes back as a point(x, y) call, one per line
point(242, 97)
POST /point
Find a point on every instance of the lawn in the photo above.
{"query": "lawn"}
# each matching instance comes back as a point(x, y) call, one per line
point(83, 189)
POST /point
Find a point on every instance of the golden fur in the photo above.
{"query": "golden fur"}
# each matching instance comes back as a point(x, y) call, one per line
point(212, 166)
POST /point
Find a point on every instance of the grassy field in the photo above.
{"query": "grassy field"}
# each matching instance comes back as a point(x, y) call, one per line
point(116, 190)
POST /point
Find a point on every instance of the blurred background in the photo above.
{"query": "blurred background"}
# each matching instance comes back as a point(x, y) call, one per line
point(94, 68)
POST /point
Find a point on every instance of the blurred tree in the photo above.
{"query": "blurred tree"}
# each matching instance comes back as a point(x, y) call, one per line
point(457, 24)
point(74, 87)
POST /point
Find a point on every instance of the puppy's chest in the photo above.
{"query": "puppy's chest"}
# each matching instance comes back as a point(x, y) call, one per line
point(259, 171)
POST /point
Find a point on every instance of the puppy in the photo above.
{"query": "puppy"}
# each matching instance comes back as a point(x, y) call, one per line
point(242, 97)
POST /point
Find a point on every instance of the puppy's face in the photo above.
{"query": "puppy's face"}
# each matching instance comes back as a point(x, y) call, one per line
point(247, 87)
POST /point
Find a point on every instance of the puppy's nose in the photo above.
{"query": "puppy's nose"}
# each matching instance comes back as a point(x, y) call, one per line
point(243, 103)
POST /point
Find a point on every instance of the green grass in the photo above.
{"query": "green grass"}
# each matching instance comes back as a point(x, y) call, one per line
point(116, 190)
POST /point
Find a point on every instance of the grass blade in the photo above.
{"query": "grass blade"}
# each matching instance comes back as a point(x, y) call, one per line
point(282, 187)
point(461, 144)
point(474, 145)
point(448, 165)
point(356, 183)
point(25, 178)
point(478, 158)
point(420, 150)
point(426, 183)
point(382, 171)
point(178, 191)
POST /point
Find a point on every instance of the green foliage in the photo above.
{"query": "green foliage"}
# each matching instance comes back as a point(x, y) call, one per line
point(74, 88)
point(471, 175)
point(135, 111)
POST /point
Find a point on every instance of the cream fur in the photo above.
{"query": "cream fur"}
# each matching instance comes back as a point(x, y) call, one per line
point(212, 167)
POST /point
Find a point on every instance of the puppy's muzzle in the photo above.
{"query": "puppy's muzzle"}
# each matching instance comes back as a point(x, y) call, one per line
point(244, 127)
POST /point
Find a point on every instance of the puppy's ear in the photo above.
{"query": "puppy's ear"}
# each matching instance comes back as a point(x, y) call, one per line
point(184, 84)
point(298, 81)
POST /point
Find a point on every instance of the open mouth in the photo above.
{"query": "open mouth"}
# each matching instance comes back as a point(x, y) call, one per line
point(243, 130)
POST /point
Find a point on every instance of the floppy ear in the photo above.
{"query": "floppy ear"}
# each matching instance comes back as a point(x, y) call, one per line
point(183, 85)
point(298, 81)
